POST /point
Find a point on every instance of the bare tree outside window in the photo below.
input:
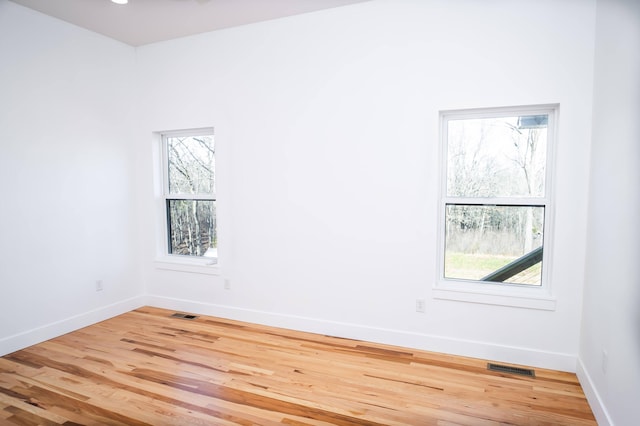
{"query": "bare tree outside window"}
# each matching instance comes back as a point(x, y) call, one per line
point(495, 197)
point(190, 199)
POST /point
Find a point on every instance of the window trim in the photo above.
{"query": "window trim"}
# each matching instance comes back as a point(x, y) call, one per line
point(165, 260)
point(503, 294)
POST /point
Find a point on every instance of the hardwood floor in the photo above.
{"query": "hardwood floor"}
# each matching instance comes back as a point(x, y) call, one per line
point(148, 368)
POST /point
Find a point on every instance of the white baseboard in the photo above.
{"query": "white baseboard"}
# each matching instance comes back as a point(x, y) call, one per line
point(475, 349)
point(31, 337)
point(469, 348)
point(591, 392)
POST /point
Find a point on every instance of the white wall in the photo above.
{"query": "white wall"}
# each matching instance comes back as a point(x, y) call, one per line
point(66, 173)
point(327, 133)
point(611, 318)
point(326, 125)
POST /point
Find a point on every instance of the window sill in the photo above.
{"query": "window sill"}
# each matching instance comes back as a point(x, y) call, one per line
point(199, 265)
point(491, 294)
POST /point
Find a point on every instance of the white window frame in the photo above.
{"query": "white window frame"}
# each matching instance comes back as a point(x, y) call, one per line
point(505, 294)
point(165, 260)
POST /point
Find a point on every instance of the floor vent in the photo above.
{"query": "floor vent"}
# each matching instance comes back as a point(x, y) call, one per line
point(511, 370)
point(184, 316)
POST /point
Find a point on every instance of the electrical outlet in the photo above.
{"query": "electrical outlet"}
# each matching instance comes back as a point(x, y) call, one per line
point(99, 286)
point(227, 284)
point(420, 305)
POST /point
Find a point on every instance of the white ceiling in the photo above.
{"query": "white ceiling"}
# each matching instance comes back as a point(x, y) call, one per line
point(148, 21)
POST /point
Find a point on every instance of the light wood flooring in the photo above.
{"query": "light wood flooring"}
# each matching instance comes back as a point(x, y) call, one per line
point(148, 368)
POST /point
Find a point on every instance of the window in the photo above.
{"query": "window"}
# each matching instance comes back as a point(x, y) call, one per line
point(495, 203)
point(189, 193)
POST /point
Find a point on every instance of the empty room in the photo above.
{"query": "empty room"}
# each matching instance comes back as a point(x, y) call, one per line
point(317, 212)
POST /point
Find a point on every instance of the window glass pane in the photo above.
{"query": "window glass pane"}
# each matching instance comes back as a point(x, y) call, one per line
point(480, 240)
point(191, 164)
point(192, 226)
point(497, 157)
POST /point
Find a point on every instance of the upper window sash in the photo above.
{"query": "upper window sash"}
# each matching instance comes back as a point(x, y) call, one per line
point(206, 192)
point(528, 115)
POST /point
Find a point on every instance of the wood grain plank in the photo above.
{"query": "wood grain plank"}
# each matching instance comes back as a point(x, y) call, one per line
point(148, 368)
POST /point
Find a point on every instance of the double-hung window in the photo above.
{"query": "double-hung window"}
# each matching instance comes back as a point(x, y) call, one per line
point(496, 202)
point(189, 193)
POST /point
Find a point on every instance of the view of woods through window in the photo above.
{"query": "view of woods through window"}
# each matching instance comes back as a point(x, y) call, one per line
point(495, 201)
point(190, 195)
